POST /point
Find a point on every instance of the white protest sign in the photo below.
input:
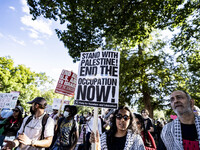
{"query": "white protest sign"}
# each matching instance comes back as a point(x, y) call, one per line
point(98, 79)
point(8, 100)
point(57, 102)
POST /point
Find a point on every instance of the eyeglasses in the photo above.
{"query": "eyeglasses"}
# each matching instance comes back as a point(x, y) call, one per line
point(15, 110)
point(119, 117)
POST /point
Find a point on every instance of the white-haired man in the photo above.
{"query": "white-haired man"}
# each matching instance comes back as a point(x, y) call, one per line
point(183, 132)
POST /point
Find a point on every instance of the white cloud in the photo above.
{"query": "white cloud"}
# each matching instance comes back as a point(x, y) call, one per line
point(38, 28)
point(38, 42)
point(21, 42)
point(22, 28)
point(12, 8)
point(33, 34)
point(38, 25)
point(25, 7)
point(1, 35)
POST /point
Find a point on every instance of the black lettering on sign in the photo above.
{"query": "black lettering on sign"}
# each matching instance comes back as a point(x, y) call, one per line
point(109, 70)
point(113, 94)
point(81, 92)
point(90, 93)
point(84, 71)
point(102, 93)
point(109, 54)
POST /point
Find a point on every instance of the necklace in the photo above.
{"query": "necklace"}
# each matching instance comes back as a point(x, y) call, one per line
point(12, 122)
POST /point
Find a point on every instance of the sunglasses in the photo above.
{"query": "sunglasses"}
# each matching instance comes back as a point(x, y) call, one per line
point(137, 122)
point(15, 110)
point(125, 117)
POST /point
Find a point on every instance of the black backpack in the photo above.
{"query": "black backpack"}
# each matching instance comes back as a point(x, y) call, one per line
point(44, 122)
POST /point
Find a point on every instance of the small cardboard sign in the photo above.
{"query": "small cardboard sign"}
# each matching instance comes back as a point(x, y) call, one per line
point(57, 102)
point(67, 83)
point(8, 100)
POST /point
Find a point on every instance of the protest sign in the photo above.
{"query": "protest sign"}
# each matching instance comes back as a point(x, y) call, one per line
point(57, 102)
point(67, 83)
point(98, 79)
point(8, 100)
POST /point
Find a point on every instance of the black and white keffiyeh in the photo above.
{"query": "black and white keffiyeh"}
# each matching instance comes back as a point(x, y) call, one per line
point(172, 137)
point(133, 142)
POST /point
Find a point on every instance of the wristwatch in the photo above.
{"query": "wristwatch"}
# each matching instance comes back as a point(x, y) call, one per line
point(33, 142)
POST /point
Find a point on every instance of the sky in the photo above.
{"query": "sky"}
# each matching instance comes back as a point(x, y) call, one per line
point(32, 43)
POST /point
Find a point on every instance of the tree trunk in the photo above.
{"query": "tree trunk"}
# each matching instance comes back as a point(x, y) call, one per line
point(147, 103)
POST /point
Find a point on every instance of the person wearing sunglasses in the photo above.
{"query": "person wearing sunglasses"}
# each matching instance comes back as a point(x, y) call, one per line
point(12, 124)
point(145, 134)
point(122, 135)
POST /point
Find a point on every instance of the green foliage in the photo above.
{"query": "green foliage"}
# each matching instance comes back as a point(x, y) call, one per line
point(20, 78)
point(147, 73)
point(88, 22)
point(49, 95)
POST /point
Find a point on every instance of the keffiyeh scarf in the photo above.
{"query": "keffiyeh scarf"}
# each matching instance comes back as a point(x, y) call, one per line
point(172, 137)
point(133, 142)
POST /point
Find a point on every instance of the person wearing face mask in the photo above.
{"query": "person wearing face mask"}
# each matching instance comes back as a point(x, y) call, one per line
point(66, 135)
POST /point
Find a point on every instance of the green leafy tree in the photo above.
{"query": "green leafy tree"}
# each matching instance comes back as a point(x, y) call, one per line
point(146, 75)
point(49, 95)
point(20, 78)
point(89, 22)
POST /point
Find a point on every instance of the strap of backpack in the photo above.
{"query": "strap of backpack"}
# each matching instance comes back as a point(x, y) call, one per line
point(72, 130)
point(59, 123)
point(44, 122)
point(27, 121)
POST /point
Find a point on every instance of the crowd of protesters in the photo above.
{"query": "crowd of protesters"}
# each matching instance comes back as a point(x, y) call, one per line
point(118, 129)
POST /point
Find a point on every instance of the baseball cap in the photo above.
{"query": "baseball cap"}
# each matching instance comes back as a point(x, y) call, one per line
point(39, 100)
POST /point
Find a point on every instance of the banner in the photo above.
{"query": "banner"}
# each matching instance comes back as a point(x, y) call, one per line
point(67, 83)
point(57, 102)
point(98, 79)
point(8, 100)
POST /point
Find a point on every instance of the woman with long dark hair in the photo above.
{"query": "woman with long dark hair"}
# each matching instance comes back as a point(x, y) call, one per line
point(13, 123)
point(122, 134)
point(146, 135)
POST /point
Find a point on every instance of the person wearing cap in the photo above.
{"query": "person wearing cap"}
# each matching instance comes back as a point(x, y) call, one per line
point(29, 134)
point(67, 130)
point(12, 124)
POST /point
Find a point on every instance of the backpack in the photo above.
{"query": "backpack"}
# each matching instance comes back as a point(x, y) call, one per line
point(44, 122)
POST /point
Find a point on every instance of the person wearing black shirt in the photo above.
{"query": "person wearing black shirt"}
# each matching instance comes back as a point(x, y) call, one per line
point(183, 132)
point(122, 134)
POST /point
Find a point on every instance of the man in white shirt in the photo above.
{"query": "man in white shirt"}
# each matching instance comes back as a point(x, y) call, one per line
point(29, 137)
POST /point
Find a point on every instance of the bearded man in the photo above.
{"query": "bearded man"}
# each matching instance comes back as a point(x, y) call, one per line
point(183, 132)
point(33, 135)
